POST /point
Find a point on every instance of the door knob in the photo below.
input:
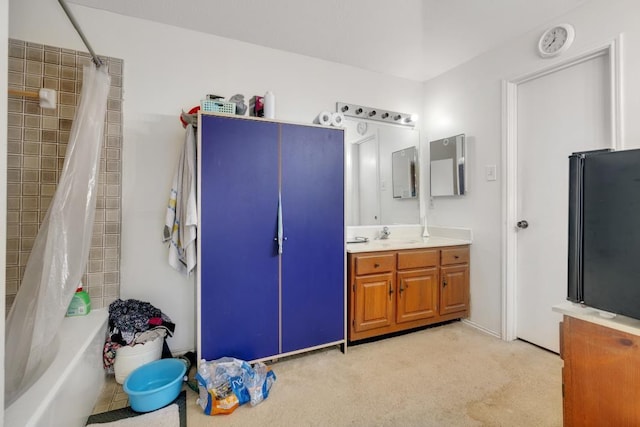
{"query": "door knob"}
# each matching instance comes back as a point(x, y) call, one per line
point(522, 224)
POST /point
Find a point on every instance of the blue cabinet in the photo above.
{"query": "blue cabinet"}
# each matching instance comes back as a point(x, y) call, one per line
point(255, 302)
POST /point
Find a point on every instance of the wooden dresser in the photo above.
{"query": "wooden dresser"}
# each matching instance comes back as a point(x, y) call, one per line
point(601, 373)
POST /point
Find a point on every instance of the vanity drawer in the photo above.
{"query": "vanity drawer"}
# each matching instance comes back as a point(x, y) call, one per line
point(367, 264)
point(417, 259)
point(455, 256)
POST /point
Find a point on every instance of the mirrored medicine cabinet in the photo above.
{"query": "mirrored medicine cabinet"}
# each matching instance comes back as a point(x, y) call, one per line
point(448, 166)
point(382, 173)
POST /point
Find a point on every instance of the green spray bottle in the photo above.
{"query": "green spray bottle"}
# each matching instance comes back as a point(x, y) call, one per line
point(80, 303)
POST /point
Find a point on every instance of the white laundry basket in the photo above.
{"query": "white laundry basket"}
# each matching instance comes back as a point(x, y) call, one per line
point(129, 357)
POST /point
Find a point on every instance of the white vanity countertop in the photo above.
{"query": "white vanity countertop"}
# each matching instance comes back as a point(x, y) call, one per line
point(397, 244)
point(618, 322)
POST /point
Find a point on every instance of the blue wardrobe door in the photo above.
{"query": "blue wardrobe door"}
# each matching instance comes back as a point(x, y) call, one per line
point(239, 259)
point(313, 254)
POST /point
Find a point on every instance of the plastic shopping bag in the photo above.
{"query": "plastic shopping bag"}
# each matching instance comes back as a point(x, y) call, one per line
point(227, 383)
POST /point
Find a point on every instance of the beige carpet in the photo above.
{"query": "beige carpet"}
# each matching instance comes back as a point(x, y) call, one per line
point(452, 375)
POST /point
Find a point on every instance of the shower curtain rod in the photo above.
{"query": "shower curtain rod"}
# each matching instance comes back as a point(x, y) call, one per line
point(75, 24)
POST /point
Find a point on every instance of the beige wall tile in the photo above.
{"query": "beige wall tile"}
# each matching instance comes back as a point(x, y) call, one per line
point(32, 121)
point(50, 123)
point(31, 134)
point(96, 253)
point(30, 175)
point(28, 230)
point(12, 218)
point(31, 148)
point(50, 83)
point(29, 217)
point(12, 246)
point(15, 79)
point(30, 189)
point(26, 243)
point(51, 70)
point(16, 51)
point(31, 162)
point(50, 163)
point(14, 147)
point(14, 133)
point(68, 86)
point(14, 175)
point(15, 119)
point(16, 64)
point(35, 54)
point(14, 161)
point(32, 81)
point(52, 57)
point(31, 107)
point(34, 67)
point(15, 105)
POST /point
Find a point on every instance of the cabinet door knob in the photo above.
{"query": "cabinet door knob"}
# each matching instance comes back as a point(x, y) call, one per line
point(456, 256)
point(376, 265)
point(444, 282)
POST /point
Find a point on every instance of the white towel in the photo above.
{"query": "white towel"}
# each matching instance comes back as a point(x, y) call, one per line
point(181, 222)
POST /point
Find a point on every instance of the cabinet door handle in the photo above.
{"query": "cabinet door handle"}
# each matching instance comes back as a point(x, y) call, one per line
point(376, 265)
point(390, 289)
point(444, 282)
point(456, 256)
point(401, 288)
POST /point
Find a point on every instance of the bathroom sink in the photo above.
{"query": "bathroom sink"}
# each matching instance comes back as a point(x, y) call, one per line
point(394, 242)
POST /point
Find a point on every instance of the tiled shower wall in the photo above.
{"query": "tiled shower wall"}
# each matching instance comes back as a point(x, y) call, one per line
point(37, 141)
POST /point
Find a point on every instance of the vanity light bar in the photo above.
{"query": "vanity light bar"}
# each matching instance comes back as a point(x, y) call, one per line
point(377, 114)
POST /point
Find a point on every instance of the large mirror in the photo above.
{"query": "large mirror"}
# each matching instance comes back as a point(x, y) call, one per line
point(382, 173)
point(404, 173)
point(447, 166)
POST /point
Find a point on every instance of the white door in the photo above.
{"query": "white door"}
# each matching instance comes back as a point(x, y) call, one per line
point(368, 179)
point(558, 113)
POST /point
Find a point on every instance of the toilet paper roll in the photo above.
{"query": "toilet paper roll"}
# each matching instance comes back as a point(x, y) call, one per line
point(324, 118)
point(337, 119)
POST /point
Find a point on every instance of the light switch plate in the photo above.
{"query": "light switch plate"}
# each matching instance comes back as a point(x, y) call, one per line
point(490, 172)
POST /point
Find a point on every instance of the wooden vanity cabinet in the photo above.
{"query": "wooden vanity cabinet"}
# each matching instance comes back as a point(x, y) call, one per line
point(374, 286)
point(417, 279)
point(393, 291)
point(454, 272)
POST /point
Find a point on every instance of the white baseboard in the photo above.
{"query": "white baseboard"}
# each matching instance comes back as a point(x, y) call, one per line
point(482, 328)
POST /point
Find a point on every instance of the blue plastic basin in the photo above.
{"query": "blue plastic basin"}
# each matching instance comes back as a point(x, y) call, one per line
point(155, 384)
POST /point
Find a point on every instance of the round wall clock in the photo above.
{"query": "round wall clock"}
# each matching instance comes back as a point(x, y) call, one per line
point(556, 40)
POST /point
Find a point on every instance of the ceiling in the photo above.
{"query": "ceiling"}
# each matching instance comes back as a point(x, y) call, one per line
point(412, 39)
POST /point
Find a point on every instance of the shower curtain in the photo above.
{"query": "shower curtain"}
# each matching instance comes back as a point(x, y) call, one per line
point(61, 249)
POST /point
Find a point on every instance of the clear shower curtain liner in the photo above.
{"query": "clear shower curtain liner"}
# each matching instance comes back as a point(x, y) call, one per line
point(61, 248)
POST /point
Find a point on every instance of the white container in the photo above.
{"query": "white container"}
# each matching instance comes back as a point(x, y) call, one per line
point(269, 105)
point(129, 357)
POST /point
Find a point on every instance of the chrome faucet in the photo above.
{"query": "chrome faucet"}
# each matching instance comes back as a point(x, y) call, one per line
point(384, 234)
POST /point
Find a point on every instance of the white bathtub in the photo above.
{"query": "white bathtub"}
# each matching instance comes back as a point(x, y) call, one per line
point(67, 391)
